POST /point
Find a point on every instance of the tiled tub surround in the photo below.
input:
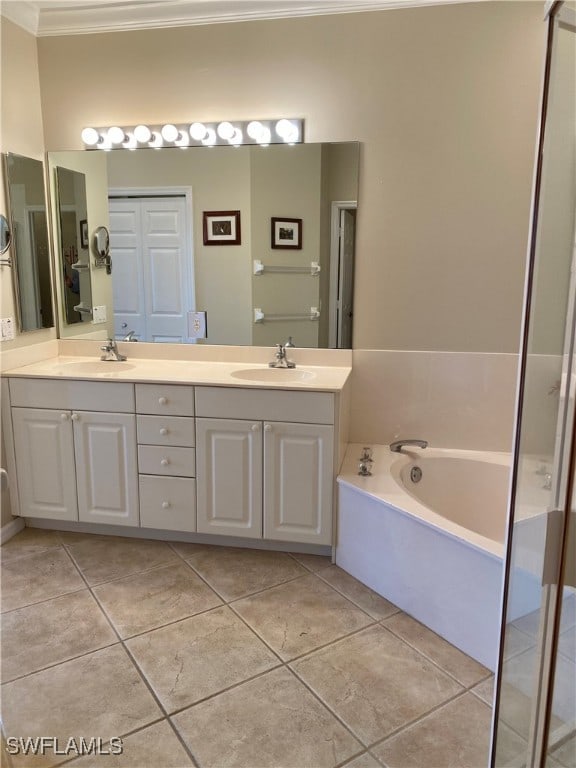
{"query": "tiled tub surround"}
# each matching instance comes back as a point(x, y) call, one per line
point(212, 656)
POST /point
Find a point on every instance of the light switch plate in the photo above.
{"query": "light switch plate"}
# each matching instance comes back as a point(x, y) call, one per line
point(7, 326)
point(99, 314)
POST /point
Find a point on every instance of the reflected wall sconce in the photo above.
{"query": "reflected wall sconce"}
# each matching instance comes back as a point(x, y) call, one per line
point(226, 133)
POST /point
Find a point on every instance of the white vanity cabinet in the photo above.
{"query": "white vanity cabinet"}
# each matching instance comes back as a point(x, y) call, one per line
point(166, 456)
point(74, 463)
point(265, 463)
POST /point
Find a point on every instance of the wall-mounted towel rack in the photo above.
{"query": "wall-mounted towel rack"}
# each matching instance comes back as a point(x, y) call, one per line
point(260, 316)
point(7, 262)
point(83, 310)
point(313, 269)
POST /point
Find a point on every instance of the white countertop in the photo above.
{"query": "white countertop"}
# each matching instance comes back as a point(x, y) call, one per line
point(221, 374)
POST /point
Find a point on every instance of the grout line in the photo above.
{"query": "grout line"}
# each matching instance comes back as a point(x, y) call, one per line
point(436, 663)
point(44, 600)
point(341, 592)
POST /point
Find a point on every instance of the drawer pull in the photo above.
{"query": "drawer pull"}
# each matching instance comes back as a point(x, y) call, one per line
point(255, 427)
point(165, 505)
point(268, 428)
point(64, 416)
point(163, 431)
point(162, 400)
point(75, 417)
point(164, 462)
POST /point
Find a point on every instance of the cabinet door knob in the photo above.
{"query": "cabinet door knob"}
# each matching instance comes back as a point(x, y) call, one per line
point(255, 427)
point(162, 400)
point(267, 427)
point(163, 431)
point(165, 505)
point(64, 416)
point(74, 417)
point(164, 462)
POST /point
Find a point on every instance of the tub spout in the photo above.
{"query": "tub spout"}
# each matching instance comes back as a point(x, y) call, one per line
point(397, 446)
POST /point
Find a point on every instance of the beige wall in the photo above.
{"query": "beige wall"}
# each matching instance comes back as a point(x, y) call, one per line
point(444, 99)
point(21, 132)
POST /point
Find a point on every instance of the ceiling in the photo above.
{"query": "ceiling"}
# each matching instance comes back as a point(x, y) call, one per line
point(71, 17)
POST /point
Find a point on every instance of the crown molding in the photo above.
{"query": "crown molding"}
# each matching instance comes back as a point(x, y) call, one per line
point(75, 18)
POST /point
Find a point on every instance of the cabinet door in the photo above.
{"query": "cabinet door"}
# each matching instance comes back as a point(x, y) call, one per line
point(44, 447)
point(298, 462)
point(229, 477)
point(107, 475)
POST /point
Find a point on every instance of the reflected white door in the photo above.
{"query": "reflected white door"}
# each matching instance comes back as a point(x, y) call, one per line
point(153, 268)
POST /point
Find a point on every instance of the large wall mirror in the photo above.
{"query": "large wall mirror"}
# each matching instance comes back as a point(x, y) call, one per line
point(29, 232)
point(260, 239)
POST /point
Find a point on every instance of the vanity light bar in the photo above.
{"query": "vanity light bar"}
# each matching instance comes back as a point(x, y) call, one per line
point(227, 133)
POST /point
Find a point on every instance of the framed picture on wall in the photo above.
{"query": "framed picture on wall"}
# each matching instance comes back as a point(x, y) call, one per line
point(221, 227)
point(286, 233)
point(84, 233)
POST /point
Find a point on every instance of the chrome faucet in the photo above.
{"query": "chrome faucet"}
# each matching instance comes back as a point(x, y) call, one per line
point(397, 446)
point(130, 336)
point(280, 359)
point(111, 351)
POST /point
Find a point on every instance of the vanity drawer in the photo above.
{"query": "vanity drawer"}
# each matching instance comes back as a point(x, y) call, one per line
point(165, 430)
point(165, 399)
point(68, 394)
point(265, 405)
point(166, 460)
point(168, 503)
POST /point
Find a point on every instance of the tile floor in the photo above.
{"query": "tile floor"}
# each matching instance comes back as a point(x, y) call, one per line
point(212, 656)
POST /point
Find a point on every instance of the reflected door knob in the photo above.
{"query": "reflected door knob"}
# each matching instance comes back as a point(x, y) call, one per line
point(165, 505)
point(164, 462)
point(163, 431)
point(162, 400)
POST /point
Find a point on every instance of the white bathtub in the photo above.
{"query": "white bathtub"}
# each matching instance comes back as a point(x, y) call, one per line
point(434, 548)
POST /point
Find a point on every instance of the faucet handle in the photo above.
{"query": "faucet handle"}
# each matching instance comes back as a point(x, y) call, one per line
point(366, 454)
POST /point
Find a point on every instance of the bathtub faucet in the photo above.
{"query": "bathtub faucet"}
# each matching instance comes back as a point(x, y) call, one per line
point(397, 446)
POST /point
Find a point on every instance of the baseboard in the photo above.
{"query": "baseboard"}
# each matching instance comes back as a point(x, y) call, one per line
point(11, 529)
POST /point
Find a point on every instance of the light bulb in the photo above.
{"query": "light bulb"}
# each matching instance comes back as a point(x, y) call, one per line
point(210, 138)
point(90, 136)
point(254, 129)
point(287, 130)
point(198, 131)
point(116, 135)
point(142, 134)
point(264, 137)
point(226, 130)
point(170, 132)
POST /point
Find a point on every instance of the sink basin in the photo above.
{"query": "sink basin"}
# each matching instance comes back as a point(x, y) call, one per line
point(273, 374)
point(96, 366)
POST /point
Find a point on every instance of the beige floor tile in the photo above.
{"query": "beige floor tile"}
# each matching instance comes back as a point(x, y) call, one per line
point(465, 669)
point(370, 601)
point(102, 558)
point(51, 632)
point(100, 694)
point(36, 577)
point(200, 656)
point(29, 542)
point(455, 736)
point(313, 563)
point(297, 617)
point(516, 641)
point(186, 549)
point(375, 682)
point(364, 761)
point(154, 747)
point(270, 722)
point(235, 573)
point(148, 600)
point(567, 643)
point(511, 749)
point(485, 690)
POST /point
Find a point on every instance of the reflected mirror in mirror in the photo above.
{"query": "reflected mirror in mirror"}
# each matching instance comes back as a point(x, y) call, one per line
point(4, 234)
point(74, 266)
point(29, 235)
point(101, 241)
point(163, 272)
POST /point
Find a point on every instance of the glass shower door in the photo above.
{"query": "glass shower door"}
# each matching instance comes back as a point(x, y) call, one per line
point(535, 711)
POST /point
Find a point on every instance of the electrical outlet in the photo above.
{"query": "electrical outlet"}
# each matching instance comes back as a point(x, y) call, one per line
point(99, 314)
point(7, 326)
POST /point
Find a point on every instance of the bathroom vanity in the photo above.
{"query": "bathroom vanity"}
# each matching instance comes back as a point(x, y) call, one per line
point(200, 451)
